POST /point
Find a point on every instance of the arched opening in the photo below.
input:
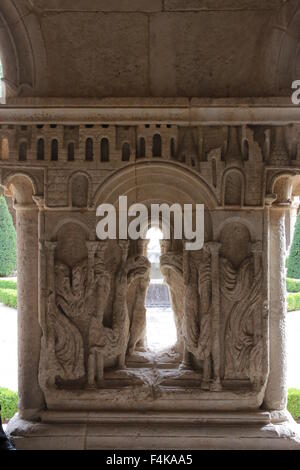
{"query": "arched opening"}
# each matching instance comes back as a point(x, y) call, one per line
point(41, 149)
point(23, 151)
point(233, 189)
point(104, 150)
point(141, 153)
point(156, 148)
point(79, 191)
point(4, 149)
point(71, 152)
point(172, 147)
point(54, 150)
point(161, 330)
point(89, 150)
point(126, 152)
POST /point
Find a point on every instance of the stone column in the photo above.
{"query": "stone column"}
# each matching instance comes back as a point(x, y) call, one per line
point(31, 398)
point(276, 391)
point(214, 249)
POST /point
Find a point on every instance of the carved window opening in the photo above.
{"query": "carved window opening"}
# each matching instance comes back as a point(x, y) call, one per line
point(141, 148)
point(71, 152)
point(104, 150)
point(161, 329)
point(246, 150)
point(23, 151)
point(41, 149)
point(89, 150)
point(54, 150)
point(126, 152)
point(234, 189)
point(172, 147)
point(4, 149)
point(156, 149)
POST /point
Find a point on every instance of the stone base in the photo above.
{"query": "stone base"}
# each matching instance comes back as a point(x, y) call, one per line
point(143, 431)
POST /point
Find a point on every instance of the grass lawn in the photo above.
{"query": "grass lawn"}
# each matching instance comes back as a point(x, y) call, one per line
point(294, 403)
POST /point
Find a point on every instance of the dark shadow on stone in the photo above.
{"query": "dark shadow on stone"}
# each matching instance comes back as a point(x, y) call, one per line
point(5, 443)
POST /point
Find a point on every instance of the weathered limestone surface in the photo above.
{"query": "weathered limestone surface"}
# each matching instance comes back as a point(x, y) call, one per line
point(121, 98)
point(212, 48)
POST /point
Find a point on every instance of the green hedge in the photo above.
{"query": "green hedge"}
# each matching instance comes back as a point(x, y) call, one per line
point(293, 301)
point(293, 285)
point(8, 284)
point(8, 250)
point(293, 263)
point(9, 403)
point(8, 297)
point(8, 293)
point(294, 403)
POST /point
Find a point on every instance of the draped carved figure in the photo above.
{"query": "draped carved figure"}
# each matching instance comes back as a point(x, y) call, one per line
point(109, 343)
point(138, 277)
point(171, 265)
point(68, 303)
point(198, 310)
point(243, 330)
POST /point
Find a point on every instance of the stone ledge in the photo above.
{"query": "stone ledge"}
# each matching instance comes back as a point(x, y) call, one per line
point(121, 434)
point(221, 5)
point(100, 5)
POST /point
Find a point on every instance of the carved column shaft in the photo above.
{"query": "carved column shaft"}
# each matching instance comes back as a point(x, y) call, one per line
point(31, 398)
point(276, 391)
point(216, 353)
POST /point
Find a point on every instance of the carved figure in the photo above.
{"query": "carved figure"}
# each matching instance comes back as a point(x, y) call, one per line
point(243, 341)
point(198, 308)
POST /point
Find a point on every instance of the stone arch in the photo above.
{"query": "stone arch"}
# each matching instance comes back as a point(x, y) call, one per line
point(170, 182)
point(281, 187)
point(280, 56)
point(233, 188)
point(86, 184)
point(21, 187)
point(22, 52)
point(69, 220)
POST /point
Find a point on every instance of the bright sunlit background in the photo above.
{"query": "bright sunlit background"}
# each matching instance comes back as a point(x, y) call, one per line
point(161, 329)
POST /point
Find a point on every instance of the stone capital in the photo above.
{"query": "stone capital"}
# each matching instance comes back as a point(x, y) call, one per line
point(50, 246)
point(39, 201)
point(256, 247)
point(214, 247)
point(92, 247)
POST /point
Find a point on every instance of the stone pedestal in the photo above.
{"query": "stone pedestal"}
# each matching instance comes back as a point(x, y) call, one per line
point(157, 430)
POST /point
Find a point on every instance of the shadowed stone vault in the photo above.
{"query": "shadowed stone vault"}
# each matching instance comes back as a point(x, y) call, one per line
point(86, 376)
